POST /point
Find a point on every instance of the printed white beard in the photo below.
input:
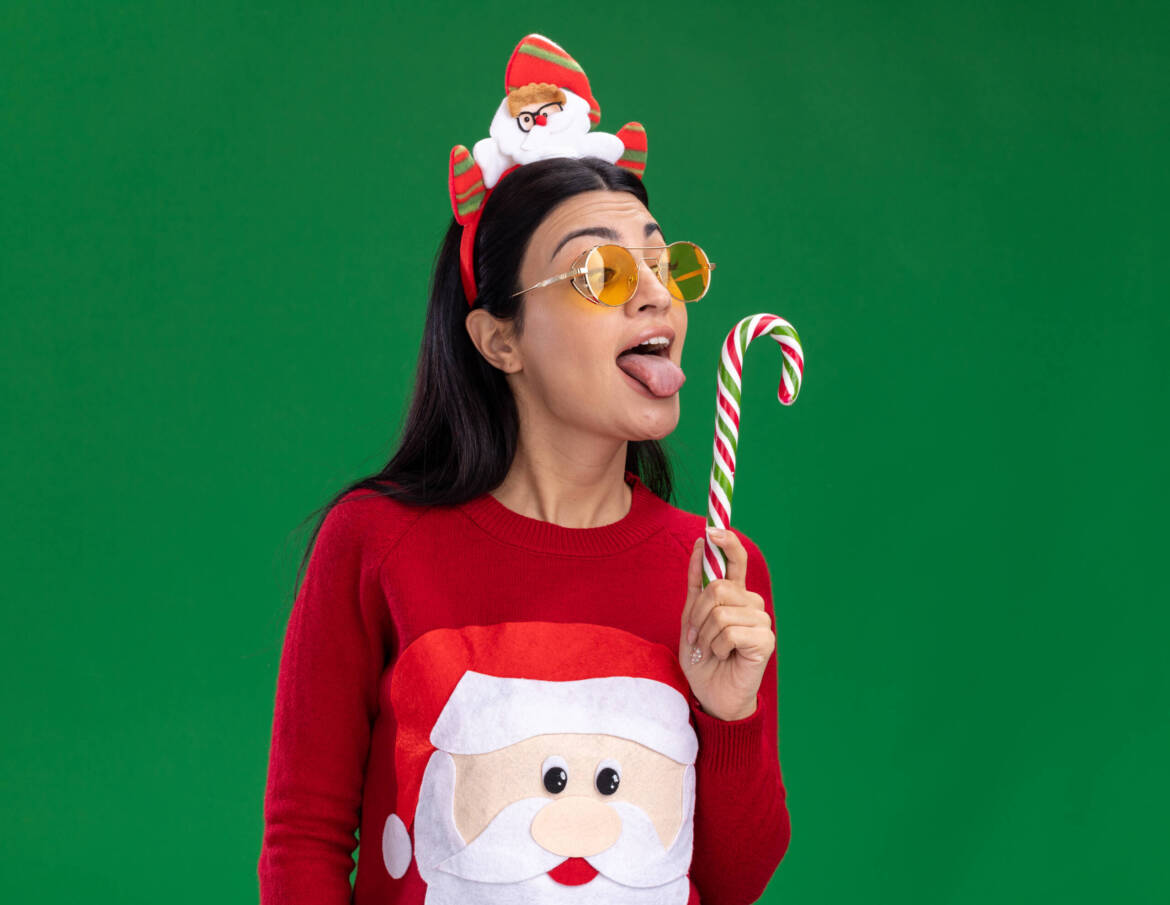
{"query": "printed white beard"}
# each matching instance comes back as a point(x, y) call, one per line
point(504, 865)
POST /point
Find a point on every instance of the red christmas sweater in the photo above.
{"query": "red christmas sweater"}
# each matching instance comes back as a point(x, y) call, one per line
point(386, 578)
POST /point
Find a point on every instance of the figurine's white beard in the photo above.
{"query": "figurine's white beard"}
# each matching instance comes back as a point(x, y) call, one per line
point(559, 137)
point(503, 864)
point(566, 134)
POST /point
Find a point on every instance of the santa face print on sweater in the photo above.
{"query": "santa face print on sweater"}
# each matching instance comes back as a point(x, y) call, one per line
point(599, 808)
point(547, 847)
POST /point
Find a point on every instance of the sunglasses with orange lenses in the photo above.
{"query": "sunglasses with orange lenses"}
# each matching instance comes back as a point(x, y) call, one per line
point(608, 274)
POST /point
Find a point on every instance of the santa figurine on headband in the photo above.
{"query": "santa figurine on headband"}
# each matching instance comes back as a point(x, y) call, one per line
point(547, 111)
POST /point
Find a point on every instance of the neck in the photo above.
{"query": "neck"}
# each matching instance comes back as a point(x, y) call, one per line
point(562, 483)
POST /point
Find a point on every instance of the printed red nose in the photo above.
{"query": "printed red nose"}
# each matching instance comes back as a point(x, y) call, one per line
point(541, 119)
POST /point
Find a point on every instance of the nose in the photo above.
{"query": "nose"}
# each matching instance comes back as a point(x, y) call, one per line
point(651, 293)
point(541, 119)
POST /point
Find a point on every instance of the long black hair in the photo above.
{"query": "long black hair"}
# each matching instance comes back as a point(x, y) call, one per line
point(461, 431)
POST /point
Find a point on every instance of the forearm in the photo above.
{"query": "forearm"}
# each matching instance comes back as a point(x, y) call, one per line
point(311, 804)
point(742, 826)
point(304, 861)
point(326, 698)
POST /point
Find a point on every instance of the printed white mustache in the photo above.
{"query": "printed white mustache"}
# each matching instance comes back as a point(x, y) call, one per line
point(630, 862)
point(505, 851)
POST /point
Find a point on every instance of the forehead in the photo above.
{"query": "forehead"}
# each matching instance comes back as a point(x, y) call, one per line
point(620, 212)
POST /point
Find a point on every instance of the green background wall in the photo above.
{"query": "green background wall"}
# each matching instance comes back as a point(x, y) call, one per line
point(216, 227)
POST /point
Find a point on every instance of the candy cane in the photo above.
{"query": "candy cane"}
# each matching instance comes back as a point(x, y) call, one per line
point(727, 385)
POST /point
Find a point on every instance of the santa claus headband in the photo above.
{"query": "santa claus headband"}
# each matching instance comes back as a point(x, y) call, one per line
point(547, 111)
point(483, 687)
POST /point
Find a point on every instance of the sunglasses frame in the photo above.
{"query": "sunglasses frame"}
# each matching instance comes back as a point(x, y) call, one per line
point(579, 269)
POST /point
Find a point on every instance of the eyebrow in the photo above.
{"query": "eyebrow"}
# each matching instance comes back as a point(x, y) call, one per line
point(605, 233)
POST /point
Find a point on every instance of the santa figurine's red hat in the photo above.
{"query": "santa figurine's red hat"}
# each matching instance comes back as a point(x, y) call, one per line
point(480, 688)
point(538, 59)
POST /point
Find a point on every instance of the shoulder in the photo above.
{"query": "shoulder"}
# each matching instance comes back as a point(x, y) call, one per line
point(366, 522)
point(686, 526)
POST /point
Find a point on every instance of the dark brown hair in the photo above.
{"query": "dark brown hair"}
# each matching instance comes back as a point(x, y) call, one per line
point(460, 433)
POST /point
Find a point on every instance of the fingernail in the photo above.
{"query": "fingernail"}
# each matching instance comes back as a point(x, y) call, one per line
point(716, 532)
point(692, 634)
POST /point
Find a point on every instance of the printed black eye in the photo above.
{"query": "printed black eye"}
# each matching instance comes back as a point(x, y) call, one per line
point(555, 779)
point(607, 781)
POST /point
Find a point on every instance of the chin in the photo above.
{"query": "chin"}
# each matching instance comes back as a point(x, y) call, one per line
point(657, 425)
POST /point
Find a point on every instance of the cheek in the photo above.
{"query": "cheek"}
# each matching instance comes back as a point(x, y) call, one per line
point(680, 326)
point(573, 351)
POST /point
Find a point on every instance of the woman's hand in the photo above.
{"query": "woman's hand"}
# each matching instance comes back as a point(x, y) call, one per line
point(734, 634)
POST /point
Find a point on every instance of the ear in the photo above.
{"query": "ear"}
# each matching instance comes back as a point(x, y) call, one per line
point(494, 339)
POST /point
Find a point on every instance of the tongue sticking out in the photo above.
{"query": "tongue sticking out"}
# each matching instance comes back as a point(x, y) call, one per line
point(659, 374)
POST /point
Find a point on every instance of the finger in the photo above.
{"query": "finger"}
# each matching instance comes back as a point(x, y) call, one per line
point(750, 642)
point(754, 600)
point(694, 585)
point(719, 592)
point(736, 554)
point(722, 592)
point(724, 617)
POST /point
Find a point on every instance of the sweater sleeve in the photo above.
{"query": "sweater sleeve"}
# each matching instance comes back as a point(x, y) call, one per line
point(741, 814)
point(326, 700)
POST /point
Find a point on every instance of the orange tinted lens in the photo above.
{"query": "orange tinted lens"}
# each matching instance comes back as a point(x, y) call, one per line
point(611, 274)
point(685, 271)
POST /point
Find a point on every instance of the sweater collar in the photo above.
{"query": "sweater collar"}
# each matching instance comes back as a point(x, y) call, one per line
point(644, 518)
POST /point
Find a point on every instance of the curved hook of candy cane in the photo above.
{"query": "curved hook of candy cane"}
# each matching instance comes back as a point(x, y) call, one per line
point(728, 384)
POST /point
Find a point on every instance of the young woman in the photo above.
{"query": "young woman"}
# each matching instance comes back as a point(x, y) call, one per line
point(529, 487)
